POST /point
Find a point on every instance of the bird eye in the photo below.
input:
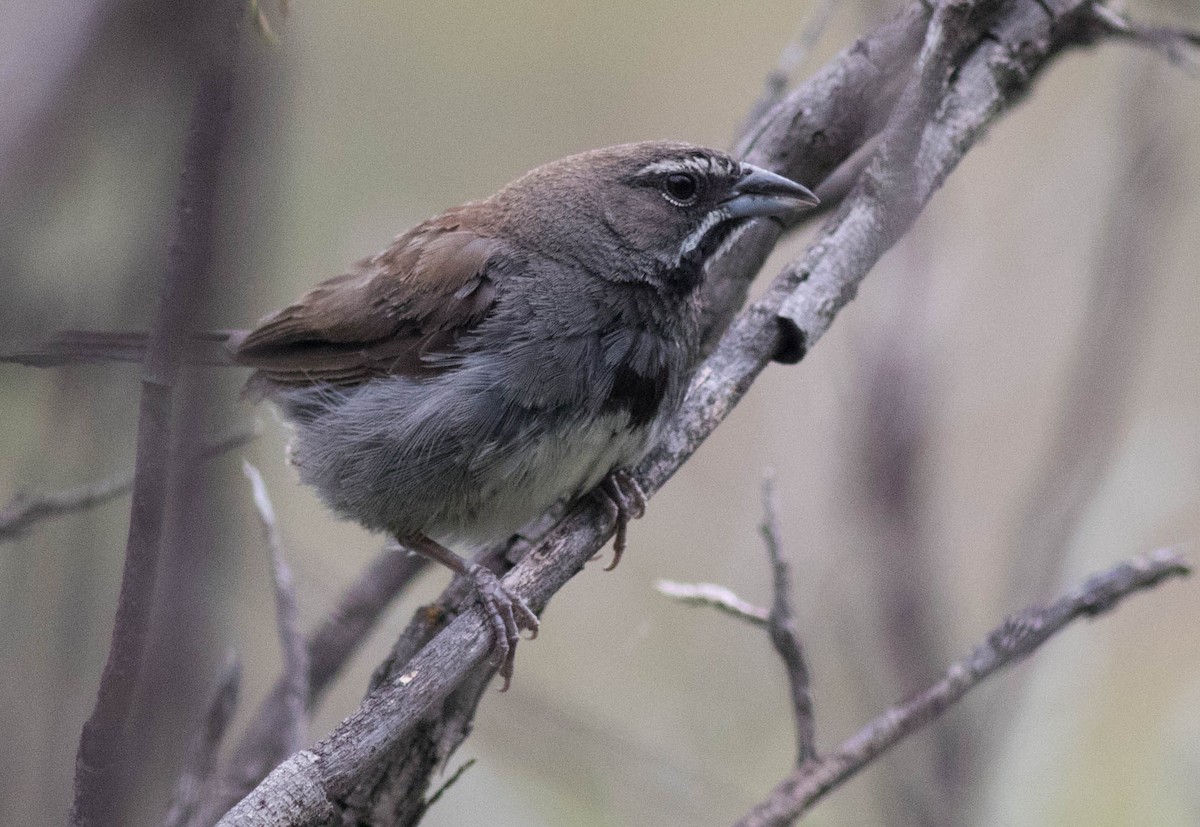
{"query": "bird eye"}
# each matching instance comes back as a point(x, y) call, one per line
point(681, 189)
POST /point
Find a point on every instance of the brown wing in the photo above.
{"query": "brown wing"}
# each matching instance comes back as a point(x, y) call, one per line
point(381, 318)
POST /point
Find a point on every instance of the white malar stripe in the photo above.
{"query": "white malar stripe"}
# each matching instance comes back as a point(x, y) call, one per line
point(693, 239)
point(731, 239)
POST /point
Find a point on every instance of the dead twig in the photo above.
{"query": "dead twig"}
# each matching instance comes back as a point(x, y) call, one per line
point(714, 596)
point(23, 511)
point(779, 621)
point(294, 733)
point(202, 758)
point(329, 647)
point(782, 626)
point(1017, 637)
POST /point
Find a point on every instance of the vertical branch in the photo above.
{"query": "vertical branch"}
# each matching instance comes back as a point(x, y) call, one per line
point(100, 758)
point(1096, 399)
point(291, 736)
point(202, 758)
point(781, 624)
point(893, 433)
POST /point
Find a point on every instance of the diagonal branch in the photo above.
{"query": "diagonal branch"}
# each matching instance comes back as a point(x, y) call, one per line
point(24, 511)
point(329, 648)
point(951, 111)
point(1017, 637)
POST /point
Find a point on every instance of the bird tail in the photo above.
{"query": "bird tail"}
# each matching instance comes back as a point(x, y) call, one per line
point(72, 347)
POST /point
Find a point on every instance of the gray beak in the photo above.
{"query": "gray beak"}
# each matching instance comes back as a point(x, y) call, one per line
point(760, 192)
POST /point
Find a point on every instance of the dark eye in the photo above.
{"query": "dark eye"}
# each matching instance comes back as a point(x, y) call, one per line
point(681, 188)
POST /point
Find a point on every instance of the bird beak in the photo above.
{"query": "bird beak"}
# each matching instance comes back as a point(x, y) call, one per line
point(760, 192)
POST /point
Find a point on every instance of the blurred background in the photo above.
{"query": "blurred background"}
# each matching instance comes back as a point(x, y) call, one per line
point(1012, 402)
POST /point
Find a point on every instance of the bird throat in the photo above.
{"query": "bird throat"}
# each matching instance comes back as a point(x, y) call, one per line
point(688, 268)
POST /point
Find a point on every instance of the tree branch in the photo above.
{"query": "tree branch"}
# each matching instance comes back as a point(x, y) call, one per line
point(1017, 637)
point(948, 112)
point(782, 627)
point(201, 763)
point(329, 647)
point(24, 511)
point(100, 759)
point(294, 733)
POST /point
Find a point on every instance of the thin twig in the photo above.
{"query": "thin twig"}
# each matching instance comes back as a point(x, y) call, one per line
point(782, 626)
point(1181, 46)
point(329, 647)
point(202, 758)
point(1017, 637)
point(779, 621)
point(449, 782)
point(790, 59)
point(23, 510)
point(99, 764)
point(716, 597)
point(287, 616)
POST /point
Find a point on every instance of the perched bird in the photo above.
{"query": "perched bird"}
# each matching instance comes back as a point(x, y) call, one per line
point(503, 355)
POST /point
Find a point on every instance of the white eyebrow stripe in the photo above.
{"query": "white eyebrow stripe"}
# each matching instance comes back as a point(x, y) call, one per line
point(694, 163)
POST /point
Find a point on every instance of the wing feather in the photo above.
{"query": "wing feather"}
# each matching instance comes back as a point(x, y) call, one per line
point(386, 316)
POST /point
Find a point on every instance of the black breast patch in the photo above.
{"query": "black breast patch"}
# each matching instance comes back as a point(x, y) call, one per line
point(640, 394)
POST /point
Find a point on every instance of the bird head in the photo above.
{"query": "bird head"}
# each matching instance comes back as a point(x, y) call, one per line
point(652, 211)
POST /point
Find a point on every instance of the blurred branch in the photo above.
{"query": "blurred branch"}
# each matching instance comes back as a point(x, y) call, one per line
point(790, 60)
point(1017, 637)
point(1098, 381)
point(892, 432)
point(329, 647)
point(995, 55)
point(99, 762)
point(1180, 46)
point(23, 511)
point(198, 771)
point(294, 733)
point(39, 50)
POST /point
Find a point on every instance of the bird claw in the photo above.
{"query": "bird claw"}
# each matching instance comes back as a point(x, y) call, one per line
point(626, 501)
point(508, 614)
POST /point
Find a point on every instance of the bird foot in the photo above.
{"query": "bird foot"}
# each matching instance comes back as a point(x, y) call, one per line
point(625, 501)
point(508, 615)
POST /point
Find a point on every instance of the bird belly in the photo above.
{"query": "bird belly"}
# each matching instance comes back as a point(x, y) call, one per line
point(565, 461)
point(464, 468)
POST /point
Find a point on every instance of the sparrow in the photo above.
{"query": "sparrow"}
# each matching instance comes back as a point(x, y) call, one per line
point(502, 356)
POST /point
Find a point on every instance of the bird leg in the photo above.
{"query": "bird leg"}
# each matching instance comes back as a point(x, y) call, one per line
point(626, 501)
point(507, 613)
